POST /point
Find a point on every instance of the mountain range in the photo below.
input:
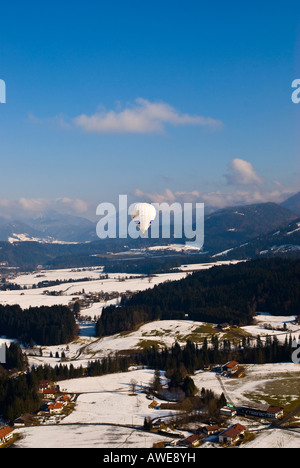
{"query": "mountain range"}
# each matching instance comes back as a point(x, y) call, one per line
point(229, 226)
point(57, 240)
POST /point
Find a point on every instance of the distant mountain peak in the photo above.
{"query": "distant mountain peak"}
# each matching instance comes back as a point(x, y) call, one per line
point(293, 204)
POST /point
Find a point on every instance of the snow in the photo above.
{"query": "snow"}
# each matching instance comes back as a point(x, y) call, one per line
point(121, 282)
point(106, 413)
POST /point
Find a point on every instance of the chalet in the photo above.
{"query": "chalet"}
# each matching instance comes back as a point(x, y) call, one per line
point(6, 433)
point(232, 434)
point(230, 367)
point(261, 411)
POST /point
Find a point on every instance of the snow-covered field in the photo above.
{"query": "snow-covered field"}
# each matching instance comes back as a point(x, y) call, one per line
point(120, 282)
point(106, 414)
point(114, 282)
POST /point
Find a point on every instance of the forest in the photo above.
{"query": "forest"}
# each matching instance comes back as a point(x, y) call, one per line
point(231, 293)
point(46, 326)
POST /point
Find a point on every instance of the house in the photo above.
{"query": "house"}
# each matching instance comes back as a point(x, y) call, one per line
point(24, 420)
point(64, 399)
point(56, 408)
point(261, 411)
point(232, 434)
point(190, 442)
point(6, 433)
point(231, 367)
point(44, 384)
point(50, 393)
point(212, 429)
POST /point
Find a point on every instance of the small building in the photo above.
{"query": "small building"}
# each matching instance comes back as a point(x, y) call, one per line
point(232, 434)
point(231, 367)
point(44, 384)
point(56, 408)
point(64, 399)
point(6, 433)
point(49, 393)
point(190, 442)
point(25, 420)
point(210, 430)
point(227, 411)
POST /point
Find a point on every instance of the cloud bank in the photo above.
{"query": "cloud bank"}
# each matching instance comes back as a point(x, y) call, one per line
point(243, 186)
point(35, 207)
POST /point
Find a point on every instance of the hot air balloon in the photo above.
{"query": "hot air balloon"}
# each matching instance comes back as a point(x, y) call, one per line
point(143, 214)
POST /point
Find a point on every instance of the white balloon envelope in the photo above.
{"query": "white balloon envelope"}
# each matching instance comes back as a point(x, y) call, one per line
point(143, 214)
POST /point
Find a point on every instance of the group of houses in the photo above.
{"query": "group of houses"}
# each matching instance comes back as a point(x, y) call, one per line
point(54, 403)
point(235, 432)
point(228, 436)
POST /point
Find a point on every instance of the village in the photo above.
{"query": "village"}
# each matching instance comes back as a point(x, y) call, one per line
point(171, 426)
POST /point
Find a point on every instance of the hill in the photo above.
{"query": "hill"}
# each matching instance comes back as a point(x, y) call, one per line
point(293, 204)
point(232, 294)
point(284, 242)
point(234, 226)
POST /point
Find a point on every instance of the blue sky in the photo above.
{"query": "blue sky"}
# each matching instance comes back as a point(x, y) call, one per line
point(160, 100)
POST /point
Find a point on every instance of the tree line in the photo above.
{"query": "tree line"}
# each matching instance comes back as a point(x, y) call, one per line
point(44, 325)
point(192, 357)
point(229, 293)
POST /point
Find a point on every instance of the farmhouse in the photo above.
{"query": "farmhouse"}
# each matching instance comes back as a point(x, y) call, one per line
point(55, 408)
point(6, 433)
point(261, 411)
point(230, 367)
point(232, 434)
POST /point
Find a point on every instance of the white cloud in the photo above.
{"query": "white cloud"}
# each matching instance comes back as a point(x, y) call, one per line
point(143, 117)
point(242, 172)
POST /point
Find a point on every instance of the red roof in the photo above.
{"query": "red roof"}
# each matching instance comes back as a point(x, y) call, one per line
point(234, 431)
point(56, 405)
point(5, 431)
point(231, 364)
